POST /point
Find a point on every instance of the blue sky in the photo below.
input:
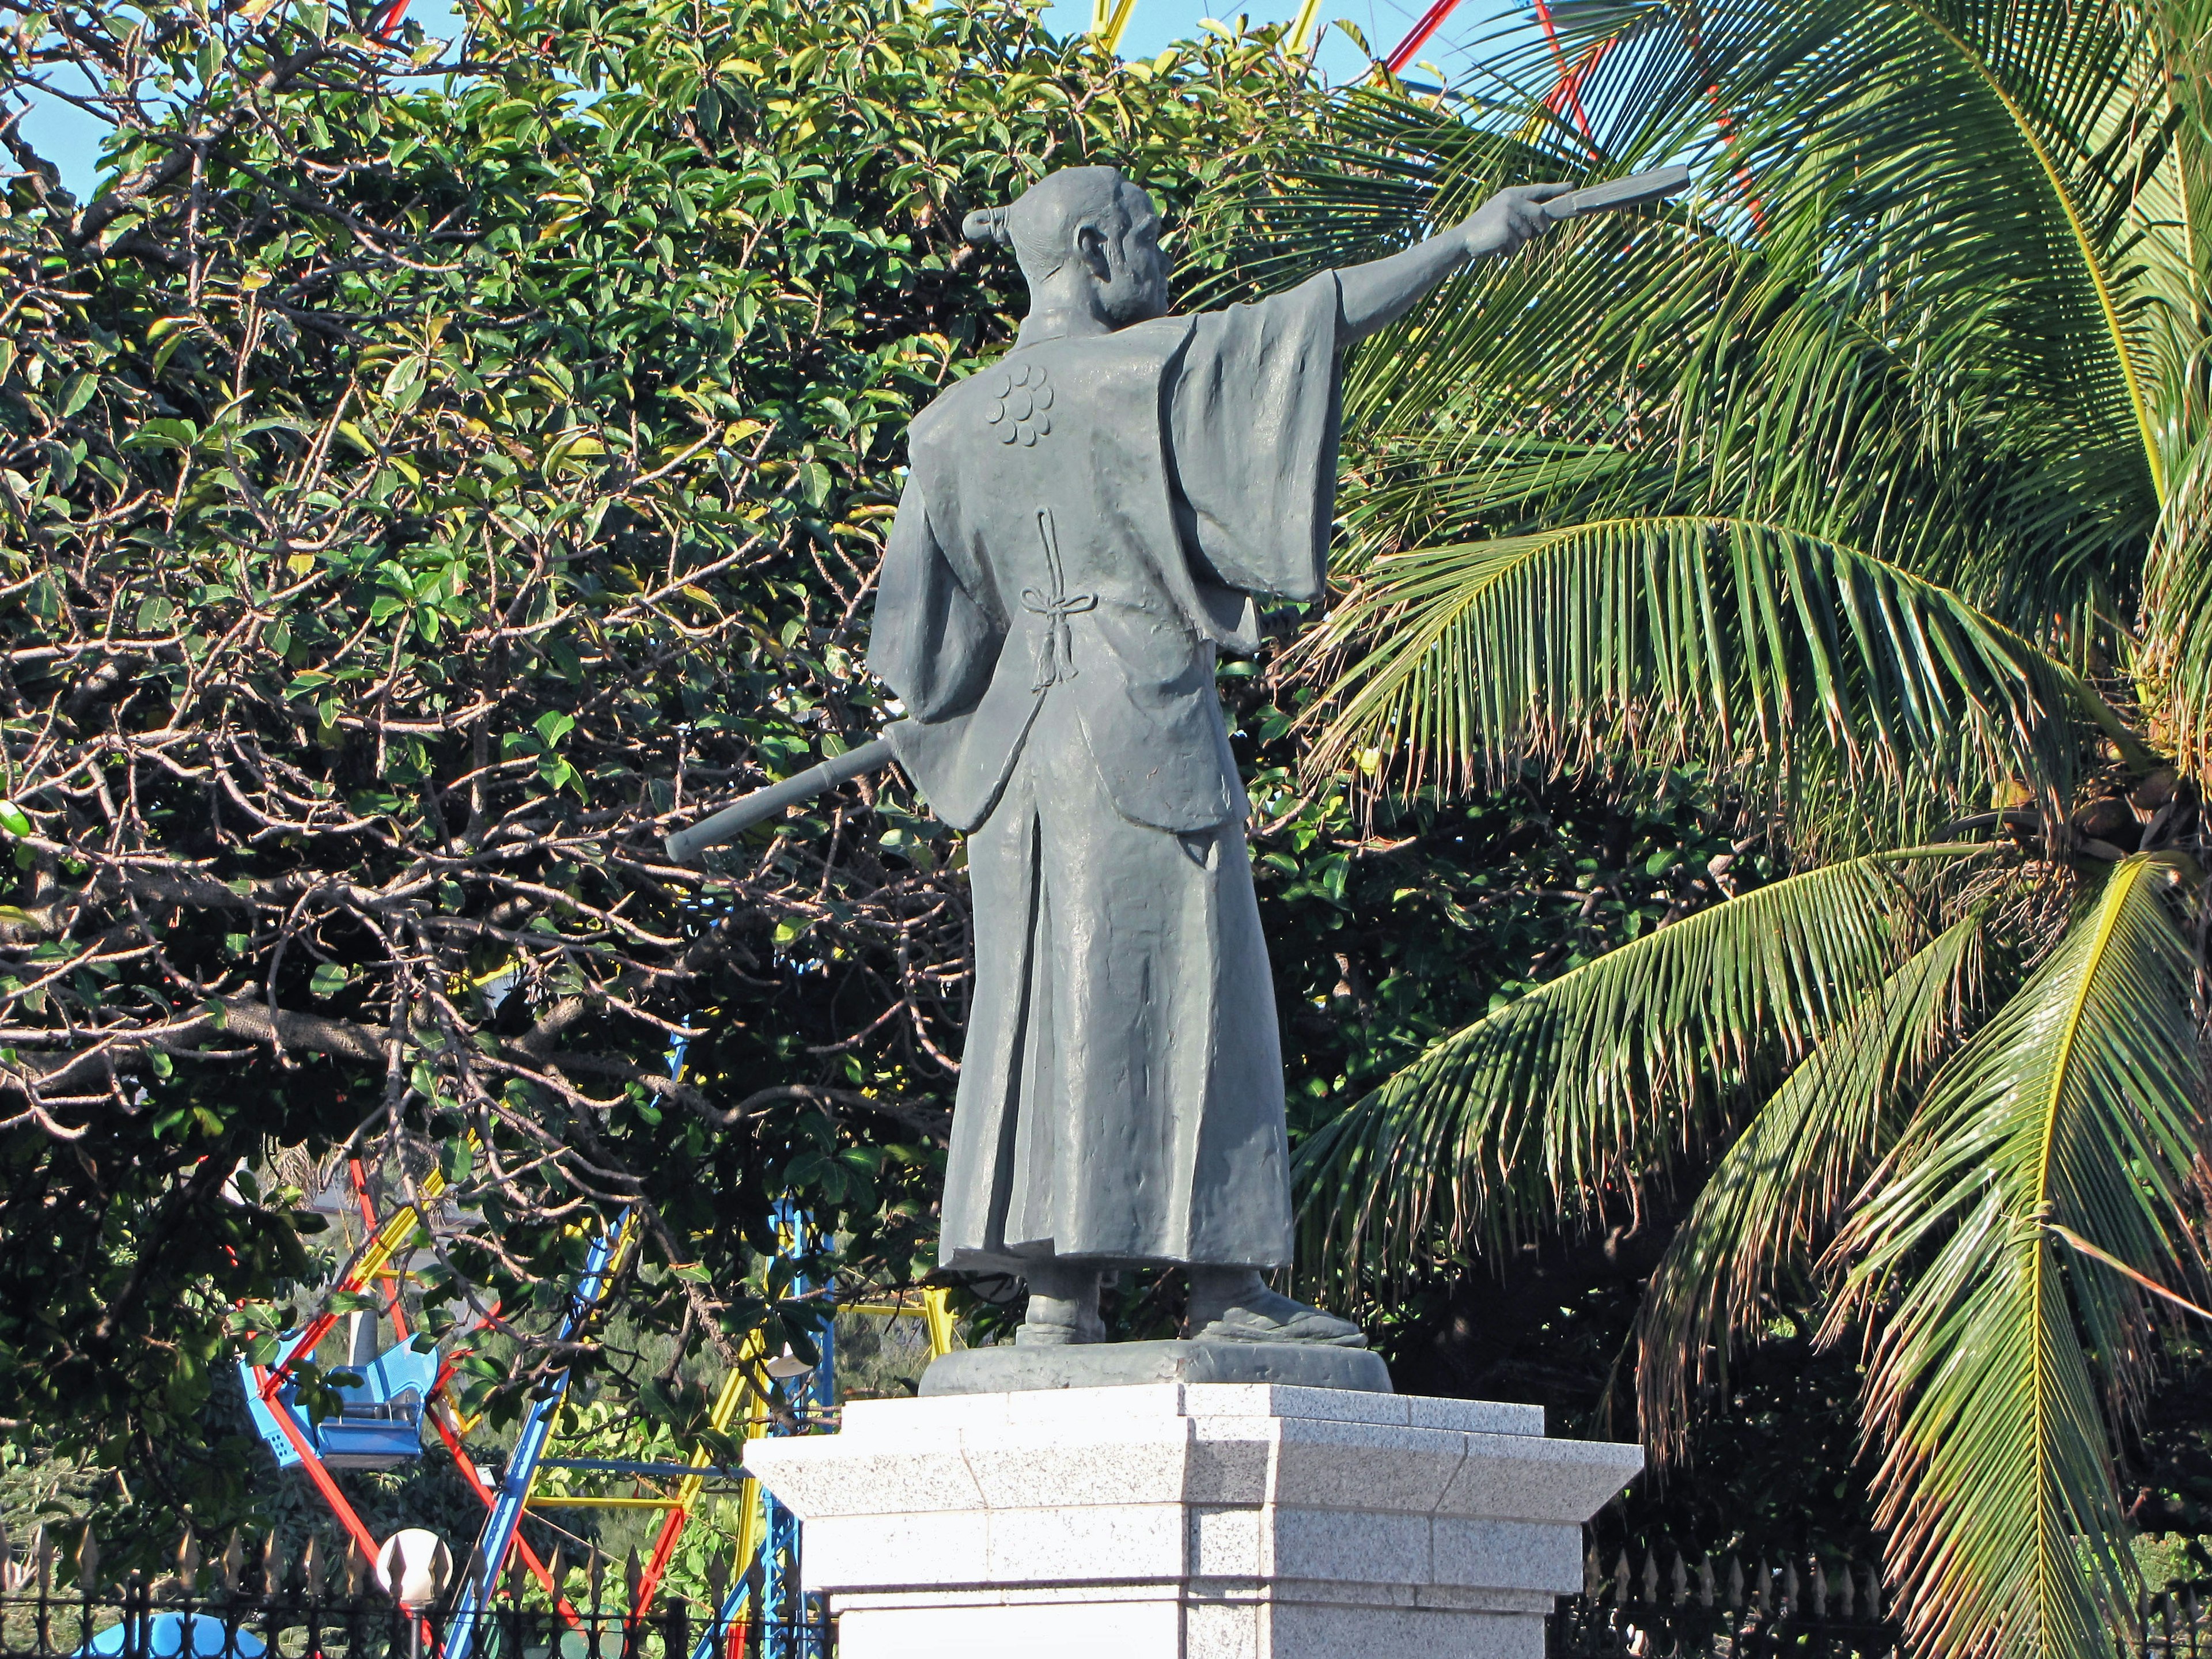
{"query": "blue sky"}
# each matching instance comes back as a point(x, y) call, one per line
point(69, 138)
point(1154, 23)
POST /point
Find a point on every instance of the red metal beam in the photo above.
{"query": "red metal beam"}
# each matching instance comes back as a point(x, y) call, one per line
point(1568, 94)
point(467, 1466)
point(337, 1499)
point(1418, 36)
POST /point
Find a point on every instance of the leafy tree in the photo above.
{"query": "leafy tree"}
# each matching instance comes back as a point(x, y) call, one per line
point(432, 471)
point(1873, 477)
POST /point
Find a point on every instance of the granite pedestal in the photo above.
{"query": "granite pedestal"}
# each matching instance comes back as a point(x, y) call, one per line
point(1112, 1364)
point(1186, 1520)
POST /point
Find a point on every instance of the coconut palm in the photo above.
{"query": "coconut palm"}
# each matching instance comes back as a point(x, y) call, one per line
point(1875, 478)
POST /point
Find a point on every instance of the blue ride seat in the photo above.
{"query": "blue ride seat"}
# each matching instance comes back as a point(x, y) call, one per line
point(378, 1422)
point(174, 1636)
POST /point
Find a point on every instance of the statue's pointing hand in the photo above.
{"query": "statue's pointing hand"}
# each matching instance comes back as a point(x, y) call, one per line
point(1509, 219)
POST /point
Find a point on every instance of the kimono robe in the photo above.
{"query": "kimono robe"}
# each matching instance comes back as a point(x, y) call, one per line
point(1085, 527)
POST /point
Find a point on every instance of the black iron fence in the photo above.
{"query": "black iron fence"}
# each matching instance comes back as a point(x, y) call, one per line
point(256, 1603)
point(136, 1624)
point(1660, 1606)
point(2174, 1626)
point(1730, 1609)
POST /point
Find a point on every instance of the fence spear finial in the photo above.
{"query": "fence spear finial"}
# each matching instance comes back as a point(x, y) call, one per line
point(356, 1567)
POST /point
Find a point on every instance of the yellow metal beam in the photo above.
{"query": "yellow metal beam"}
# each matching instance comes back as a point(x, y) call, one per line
point(399, 1227)
point(1109, 20)
point(1304, 34)
point(939, 1317)
point(935, 1316)
point(744, 1376)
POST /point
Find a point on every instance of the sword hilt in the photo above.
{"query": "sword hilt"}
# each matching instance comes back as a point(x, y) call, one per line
point(747, 811)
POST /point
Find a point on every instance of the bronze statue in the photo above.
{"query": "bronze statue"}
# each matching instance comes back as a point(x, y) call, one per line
point(1087, 524)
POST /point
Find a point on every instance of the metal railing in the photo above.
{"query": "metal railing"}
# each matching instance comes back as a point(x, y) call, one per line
point(1662, 1603)
point(257, 1605)
point(1724, 1608)
point(136, 1623)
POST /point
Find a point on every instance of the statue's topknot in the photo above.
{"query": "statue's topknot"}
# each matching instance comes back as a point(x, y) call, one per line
point(1040, 225)
point(988, 227)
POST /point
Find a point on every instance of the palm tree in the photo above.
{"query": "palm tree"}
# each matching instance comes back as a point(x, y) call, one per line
point(1876, 480)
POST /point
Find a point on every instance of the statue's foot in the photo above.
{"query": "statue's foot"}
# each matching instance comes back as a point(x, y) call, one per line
point(1232, 1305)
point(1063, 1307)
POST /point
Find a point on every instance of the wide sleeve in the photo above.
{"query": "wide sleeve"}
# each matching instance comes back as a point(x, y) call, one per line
point(931, 642)
point(1253, 426)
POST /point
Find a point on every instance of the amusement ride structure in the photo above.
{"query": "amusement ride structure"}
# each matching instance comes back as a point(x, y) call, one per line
point(378, 1425)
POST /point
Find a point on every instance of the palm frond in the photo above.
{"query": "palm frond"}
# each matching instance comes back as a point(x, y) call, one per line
point(1624, 1064)
point(1725, 641)
point(2078, 1106)
point(1925, 270)
point(2066, 82)
point(2177, 660)
point(1775, 1194)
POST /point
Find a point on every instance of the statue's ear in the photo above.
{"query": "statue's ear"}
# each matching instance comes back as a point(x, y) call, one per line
point(1090, 248)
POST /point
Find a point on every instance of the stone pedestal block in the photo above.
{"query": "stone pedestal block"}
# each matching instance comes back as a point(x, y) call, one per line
point(1191, 1520)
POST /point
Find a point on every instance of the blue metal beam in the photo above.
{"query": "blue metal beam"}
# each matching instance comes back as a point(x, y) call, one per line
point(498, 1535)
point(793, 1624)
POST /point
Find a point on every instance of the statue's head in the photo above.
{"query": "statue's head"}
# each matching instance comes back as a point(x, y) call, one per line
point(1084, 234)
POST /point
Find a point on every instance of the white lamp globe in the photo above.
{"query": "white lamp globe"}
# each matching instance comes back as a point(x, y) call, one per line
point(414, 1568)
point(787, 1365)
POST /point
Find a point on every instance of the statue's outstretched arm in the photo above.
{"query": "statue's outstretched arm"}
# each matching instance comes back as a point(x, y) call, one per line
point(1379, 292)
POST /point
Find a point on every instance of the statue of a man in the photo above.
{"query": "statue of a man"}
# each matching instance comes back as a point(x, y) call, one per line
point(1085, 525)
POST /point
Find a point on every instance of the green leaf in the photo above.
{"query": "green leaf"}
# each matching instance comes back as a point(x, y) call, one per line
point(2077, 1106)
point(1618, 1065)
point(328, 980)
point(1693, 638)
point(1777, 1192)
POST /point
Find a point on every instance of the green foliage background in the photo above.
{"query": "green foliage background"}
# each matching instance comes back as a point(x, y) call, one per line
point(424, 487)
point(428, 473)
point(400, 517)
